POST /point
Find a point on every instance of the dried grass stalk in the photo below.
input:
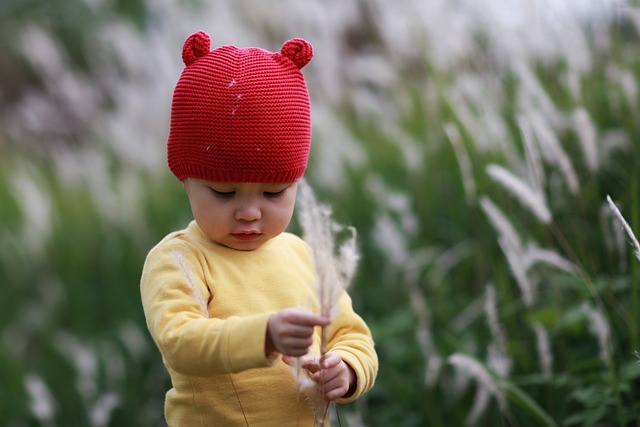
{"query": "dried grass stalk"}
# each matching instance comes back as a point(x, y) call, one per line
point(335, 265)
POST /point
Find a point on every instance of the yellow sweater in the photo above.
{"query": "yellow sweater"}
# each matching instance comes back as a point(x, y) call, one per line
point(207, 308)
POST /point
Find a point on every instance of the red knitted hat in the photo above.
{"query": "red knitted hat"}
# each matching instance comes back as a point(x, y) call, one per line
point(240, 115)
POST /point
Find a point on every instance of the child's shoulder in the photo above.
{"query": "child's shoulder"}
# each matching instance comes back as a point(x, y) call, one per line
point(180, 239)
point(294, 244)
point(293, 240)
point(175, 237)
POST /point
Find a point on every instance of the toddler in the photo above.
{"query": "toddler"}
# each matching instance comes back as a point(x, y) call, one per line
point(229, 299)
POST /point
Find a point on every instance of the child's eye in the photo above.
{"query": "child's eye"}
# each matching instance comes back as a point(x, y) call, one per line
point(273, 194)
point(223, 194)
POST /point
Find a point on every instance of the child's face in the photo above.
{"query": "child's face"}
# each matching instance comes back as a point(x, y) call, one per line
point(241, 215)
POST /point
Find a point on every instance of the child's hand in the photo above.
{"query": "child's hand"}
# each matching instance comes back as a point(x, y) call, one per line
point(290, 331)
point(335, 377)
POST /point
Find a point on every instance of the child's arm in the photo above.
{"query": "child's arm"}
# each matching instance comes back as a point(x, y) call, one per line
point(350, 339)
point(174, 298)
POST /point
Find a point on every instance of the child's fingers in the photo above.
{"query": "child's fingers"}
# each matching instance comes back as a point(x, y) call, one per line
point(290, 331)
point(289, 360)
point(295, 346)
point(303, 317)
point(333, 385)
point(330, 360)
point(335, 377)
point(310, 363)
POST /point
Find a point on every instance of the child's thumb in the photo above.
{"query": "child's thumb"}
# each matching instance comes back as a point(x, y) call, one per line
point(310, 363)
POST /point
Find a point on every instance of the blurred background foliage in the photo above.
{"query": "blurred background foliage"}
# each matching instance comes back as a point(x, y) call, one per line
point(472, 144)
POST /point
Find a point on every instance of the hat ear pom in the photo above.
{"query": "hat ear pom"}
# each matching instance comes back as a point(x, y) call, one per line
point(196, 46)
point(297, 50)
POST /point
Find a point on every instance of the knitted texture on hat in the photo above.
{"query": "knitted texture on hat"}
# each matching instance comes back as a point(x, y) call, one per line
point(240, 115)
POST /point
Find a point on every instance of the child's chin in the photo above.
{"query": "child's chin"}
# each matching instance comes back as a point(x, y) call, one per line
point(244, 246)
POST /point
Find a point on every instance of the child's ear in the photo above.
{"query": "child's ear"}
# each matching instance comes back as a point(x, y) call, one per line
point(183, 183)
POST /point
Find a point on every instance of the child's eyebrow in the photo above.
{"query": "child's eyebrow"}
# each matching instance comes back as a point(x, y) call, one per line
point(220, 185)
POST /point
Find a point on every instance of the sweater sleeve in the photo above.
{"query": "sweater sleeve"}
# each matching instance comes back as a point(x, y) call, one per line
point(350, 337)
point(175, 300)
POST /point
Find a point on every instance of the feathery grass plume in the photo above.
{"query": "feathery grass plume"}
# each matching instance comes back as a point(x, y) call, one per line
point(448, 259)
point(599, 327)
point(464, 162)
point(533, 255)
point(520, 259)
point(397, 204)
point(178, 257)
point(588, 137)
point(433, 361)
point(630, 87)
point(627, 228)
point(615, 140)
point(412, 275)
point(543, 346)
point(480, 403)
point(529, 197)
point(500, 223)
point(532, 153)
point(411, 150)
point(532, 96)
point(41, 402)
point(514, 260)
point(470, 367)
point(467, 315)
point(552, 150)
point(133, 339)
point(497, 361)
point(339, 149)
point(85, 361)
point(29, 189)
point(389, 236)
point(335, 266)
point(100, 415)
point(395, 223)
point(497, 330)
point(614, 235)
point(413, 270)
point(475, 101)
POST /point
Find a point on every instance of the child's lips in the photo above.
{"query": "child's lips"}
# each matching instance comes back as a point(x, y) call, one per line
point(246, 236)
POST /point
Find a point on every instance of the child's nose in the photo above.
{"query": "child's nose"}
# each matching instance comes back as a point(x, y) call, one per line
point(248, 211)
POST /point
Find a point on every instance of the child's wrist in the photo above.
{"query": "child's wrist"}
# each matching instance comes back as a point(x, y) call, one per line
point(269, 346)
point(353, 381)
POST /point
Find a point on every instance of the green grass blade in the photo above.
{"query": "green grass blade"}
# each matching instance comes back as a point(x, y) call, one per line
point(522, 399)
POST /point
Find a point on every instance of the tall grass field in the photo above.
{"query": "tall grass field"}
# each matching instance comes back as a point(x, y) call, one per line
point(486, 151)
